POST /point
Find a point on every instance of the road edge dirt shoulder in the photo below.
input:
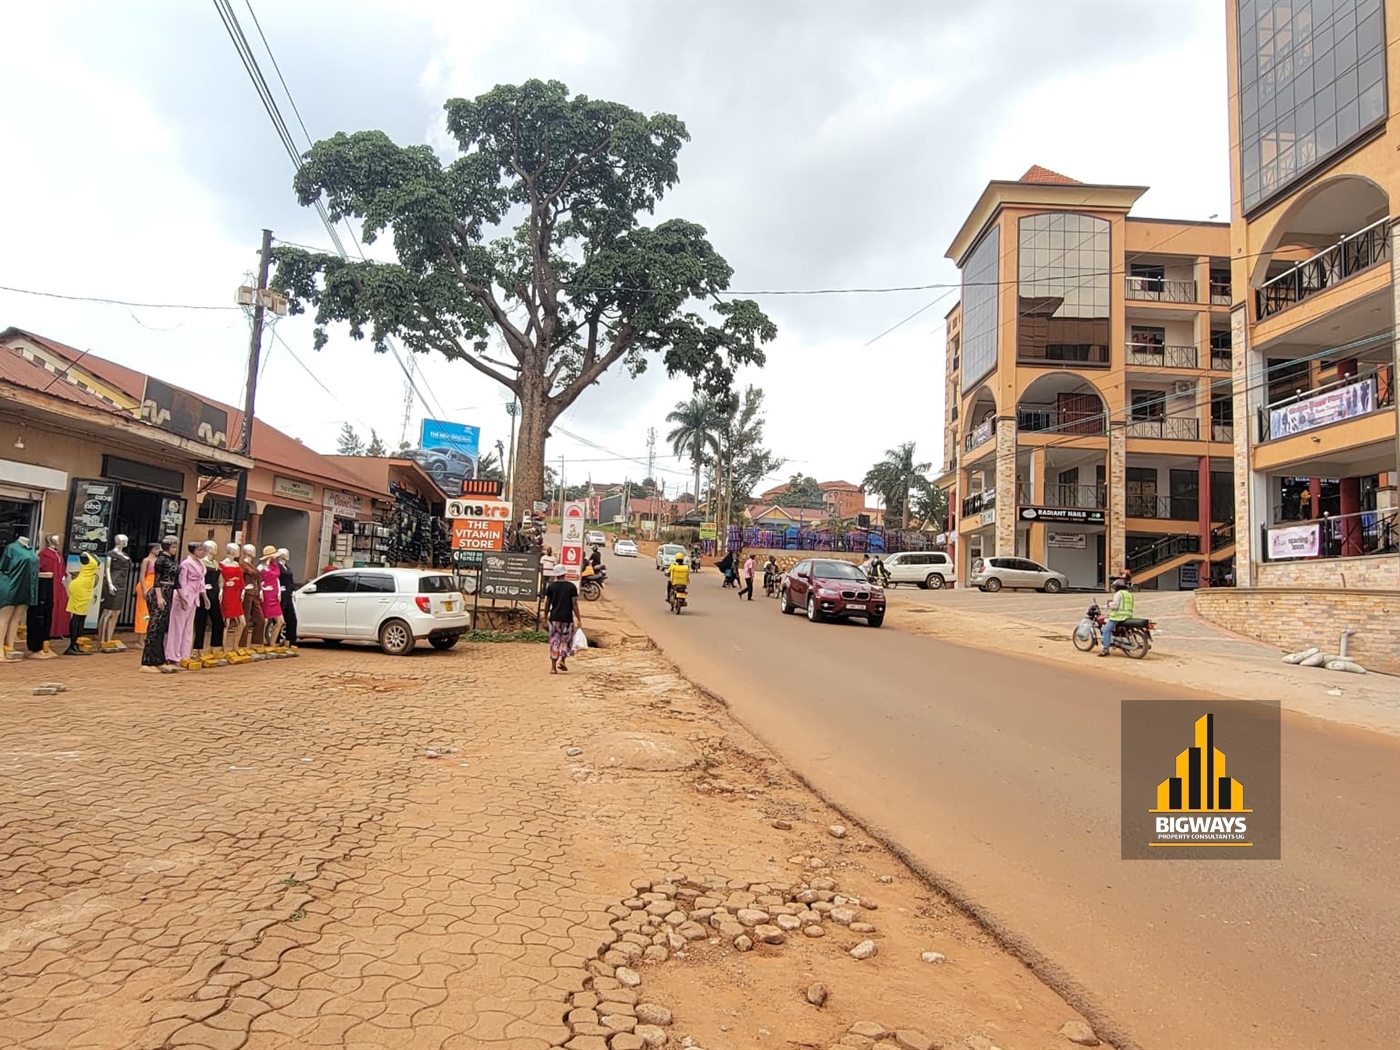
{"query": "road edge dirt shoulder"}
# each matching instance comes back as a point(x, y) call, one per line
point(1046, 970)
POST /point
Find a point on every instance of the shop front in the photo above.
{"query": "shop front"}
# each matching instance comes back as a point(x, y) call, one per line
point(406, 526)
point(1071, 540)
point(24, 489)
point(341, 512)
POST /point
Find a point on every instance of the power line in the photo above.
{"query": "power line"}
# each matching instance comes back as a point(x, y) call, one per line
point(113, 302)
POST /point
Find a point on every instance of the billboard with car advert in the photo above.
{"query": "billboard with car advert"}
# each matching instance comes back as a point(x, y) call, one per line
point(449, 452)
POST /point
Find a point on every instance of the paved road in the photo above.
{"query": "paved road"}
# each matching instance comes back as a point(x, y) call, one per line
point(1000, 775)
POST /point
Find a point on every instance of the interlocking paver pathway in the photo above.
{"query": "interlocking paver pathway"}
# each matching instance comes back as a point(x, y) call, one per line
point(265, 856)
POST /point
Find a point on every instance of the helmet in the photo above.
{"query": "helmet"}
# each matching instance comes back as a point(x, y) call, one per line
point(1120, 585)
point(680, 559)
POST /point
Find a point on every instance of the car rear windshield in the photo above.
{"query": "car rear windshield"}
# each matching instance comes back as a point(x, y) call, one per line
point(437, 585)
point(837, 570)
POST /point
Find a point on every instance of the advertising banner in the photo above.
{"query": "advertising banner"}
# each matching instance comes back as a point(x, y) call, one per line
point(571, 549)
point(479, 509)
point(1064, 514)
point(1295, 541)
point(478, 534)
point(707, 530)
point(1071, 540)
point(512, 576)
point(1347, 402)
point(449, 452)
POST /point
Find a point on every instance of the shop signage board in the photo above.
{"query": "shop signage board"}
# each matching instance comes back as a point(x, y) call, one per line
point(539, 506)
point(172, 516)
point(180, 412)
point(515, 577)
point(482, 487)
point(1070, 540)
point(1295, 541)
point(987, 517)
point(467, 559)
point(90, 525)
point(344, 504)
point(1062, 514)
point(1189, 576)
point(476, 534)
point(571, 549)
point(1346, 402)
point(293, 488)
point(708, 530)
point(479, 509)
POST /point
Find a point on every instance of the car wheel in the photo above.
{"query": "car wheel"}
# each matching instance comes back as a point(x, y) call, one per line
point(784, 605)
point(992, 585)
point(1052, 586)
point(444, 641)
point(875, 621)
point(813, 616)
point(933, 582)
point(396, 638)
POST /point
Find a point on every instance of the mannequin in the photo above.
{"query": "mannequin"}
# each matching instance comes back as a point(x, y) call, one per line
point(231, 596)
point(252, 598)
point(209, 615)
point(271, 596)
point(48, 618)
point(289, 609)
point(187, 596)
point(19, 589)
point(153, 659)
point(117, 578)
point(81, 591)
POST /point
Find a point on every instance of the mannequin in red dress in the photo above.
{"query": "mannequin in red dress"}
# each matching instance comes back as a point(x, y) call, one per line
point(231, 596)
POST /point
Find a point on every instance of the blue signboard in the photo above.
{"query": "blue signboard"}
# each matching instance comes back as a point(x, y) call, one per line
point(449, 452)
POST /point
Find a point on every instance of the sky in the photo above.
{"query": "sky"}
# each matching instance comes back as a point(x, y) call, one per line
point(833, 145)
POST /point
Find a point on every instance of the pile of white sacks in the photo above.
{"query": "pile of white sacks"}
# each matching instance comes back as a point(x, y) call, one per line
point(1315, 657)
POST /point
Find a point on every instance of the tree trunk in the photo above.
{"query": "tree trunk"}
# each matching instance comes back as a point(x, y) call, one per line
point(529, 451)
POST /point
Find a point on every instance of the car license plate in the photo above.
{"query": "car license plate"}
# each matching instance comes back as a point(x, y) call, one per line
point(856, 608)
point(447, 606)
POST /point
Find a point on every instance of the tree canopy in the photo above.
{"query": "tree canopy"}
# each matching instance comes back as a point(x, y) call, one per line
point(896, 478)
point(531, 237)
point(802, 492)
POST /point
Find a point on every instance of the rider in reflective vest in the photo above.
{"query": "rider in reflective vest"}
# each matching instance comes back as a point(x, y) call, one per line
point(1120, 608)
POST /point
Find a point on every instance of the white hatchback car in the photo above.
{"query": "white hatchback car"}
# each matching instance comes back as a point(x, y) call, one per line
point(393, 607)
point(625, 549)
point(666, 554)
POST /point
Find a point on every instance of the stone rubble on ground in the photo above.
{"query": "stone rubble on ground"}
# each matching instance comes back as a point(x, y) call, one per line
point(933, 957)
point(1080, 1033)
point(817, 994)
point(837, 831)
point(864, 950)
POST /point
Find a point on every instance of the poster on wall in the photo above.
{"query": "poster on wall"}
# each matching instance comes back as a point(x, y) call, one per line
point(448, 452)
point(1189, 576)
point(1069, 540)
point(94, 503)
point(1347, 402)
point(1295, 541)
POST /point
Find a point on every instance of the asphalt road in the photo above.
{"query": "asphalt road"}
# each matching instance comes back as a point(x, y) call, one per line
point(999, 775)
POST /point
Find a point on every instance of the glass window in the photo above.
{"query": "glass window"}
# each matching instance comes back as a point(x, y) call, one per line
point(1311, 80)
point(979, 310)
point(1062, 293)
point(446, 584)
point(376, 582)
point(336, 583)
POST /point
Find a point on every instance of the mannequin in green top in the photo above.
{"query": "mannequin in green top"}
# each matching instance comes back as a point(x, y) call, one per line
point(19, 589)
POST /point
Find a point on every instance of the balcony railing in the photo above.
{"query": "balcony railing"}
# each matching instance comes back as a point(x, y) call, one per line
point(1158, 356)
point(1222, 359)
point(1050, 420)
point(1083, 497)
point(1159, 290)
point(1222, 536)
point(1168, 508)
point(978, 502)
point(1171, 428)
point(1219, 293)
point(1329, 267)
point(1224, 432)
point(1337, 536)
point(1170, 547)
point(980, 433)
point(1335, 402)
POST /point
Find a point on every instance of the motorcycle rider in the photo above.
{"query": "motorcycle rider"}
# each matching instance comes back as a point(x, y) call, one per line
point(678, 575)
point(878, 572)
point(771, 574)
point(1120, 608)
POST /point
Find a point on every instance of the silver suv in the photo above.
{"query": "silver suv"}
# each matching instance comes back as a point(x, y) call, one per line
point(929, 569)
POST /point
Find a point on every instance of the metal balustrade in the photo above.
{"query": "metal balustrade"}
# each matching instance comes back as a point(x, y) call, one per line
point(1328, 268)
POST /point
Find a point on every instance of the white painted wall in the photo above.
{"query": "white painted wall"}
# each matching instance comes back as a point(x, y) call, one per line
point(1081, 566)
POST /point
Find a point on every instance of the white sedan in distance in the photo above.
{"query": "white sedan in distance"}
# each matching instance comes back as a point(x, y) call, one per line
point(666, 554)
point(625, 549)
point(395, 608)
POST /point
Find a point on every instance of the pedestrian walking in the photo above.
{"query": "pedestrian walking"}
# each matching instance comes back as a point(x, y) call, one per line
point(561, 599)
point(749, 568)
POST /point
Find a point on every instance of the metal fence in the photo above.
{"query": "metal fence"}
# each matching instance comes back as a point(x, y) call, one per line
point(837, 541)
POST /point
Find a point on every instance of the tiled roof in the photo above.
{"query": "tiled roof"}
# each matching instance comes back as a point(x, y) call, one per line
point(825, 485)
point(1035, 173)
point(33, 375)
point(270, 445)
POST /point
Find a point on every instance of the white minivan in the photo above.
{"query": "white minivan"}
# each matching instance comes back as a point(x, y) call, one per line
point(928, 569)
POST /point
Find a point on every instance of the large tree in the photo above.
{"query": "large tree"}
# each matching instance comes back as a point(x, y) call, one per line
point(744, 461)
point(531, 236)
point(802, 492)
point(695, 433)
point(349, 443)
point(896, 478)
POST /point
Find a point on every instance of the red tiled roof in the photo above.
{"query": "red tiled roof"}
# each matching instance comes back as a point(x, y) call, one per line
point(32, 375)
point(1035, 173)
point(270, 445)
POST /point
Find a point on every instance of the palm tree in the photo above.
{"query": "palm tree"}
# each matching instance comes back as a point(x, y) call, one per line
point(697, 421)
point(895, 476)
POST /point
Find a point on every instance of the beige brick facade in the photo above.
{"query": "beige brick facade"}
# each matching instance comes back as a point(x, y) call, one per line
point(1381, 572)
point(1006, 487)
point(1117, 509)
point(1295, 618)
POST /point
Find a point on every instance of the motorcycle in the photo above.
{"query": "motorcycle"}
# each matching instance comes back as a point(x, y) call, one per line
point(677, 599)
point(771, 581)
point(1133, 636)
point(591, 581)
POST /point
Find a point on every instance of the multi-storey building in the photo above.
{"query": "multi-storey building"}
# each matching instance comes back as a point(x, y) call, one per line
point(1313, 172)
point(1090, 422)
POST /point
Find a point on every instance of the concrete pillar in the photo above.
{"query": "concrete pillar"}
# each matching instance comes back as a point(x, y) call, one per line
point(1117, 546)
point(1387, 497)
point(1314, 499)
point(1038, 478)
point(1006, 488)
point(1245, 521)
point(1351, 516)
point(1203, 515)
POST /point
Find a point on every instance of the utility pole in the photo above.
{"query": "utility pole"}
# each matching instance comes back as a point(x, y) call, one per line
point(651, 475)
point(245, 432)
point(511, 409)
